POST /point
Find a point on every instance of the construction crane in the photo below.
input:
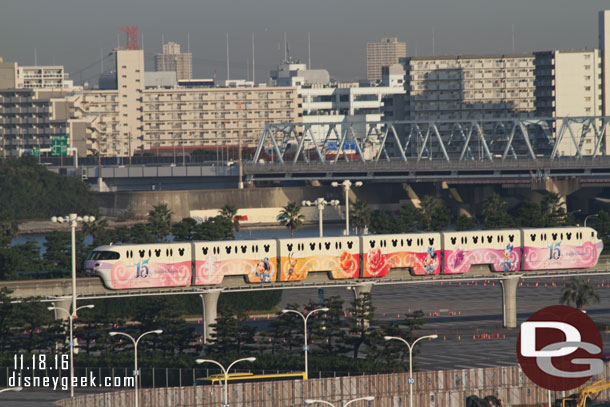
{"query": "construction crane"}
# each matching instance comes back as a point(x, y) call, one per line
point(582, 400)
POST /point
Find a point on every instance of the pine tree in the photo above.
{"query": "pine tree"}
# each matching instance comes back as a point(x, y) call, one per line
point(359, 319)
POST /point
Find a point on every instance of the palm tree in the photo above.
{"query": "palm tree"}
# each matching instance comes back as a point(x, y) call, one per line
point(290, 217)
point(554, 210)
point(230, 212)
point(360, 215)
point(495, 213)
point(97, 229)
point(580, 292)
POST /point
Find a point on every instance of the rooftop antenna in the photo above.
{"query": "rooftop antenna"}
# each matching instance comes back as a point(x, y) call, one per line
point(253, 62)
point(285, 47)
point(433, 42)
point(132, 37)
point(227, 56)
point(309, 50)
point(247, 69)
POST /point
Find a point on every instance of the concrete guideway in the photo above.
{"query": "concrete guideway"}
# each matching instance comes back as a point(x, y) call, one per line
point(59, 291)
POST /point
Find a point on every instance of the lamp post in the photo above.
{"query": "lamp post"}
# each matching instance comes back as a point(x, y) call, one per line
point(305, 318)
point(18, 388)
point(136, 373)
point(71, 344)
point(590, 216)
point(411, 380)
point(347, 184)
point(321, 203)
point(226, 373)
point(312, 401)
point(73, 219)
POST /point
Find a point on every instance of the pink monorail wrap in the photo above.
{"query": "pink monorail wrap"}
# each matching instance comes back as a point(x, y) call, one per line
point(459, 261)
point(147, 274)
point(561, 256)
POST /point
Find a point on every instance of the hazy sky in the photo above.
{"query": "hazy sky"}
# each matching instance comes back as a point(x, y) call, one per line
point(73, 32)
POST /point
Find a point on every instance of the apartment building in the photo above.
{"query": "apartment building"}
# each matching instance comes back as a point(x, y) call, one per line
point(388, 51)
point(31, 118)
point(470, 87)
point(211, 116)
point(569, 84)
point(173, 60)
point(33, 77)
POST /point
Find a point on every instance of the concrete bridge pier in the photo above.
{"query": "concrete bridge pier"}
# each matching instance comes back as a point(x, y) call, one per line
point(65, 303)
point(509, 300)
point(209, 302)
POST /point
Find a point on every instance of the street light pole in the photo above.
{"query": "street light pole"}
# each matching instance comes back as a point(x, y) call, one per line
point(590, 216)
point(305, 318)
point(18, 388)
point(73, 219)
point(410, 346)
point(312, 401)
point(320, 203)
point(136, 373)
point(347, 184)
point(226, 373)
point(71, 344)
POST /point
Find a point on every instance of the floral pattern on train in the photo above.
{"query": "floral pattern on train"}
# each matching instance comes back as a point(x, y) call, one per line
point(212, 270)
point(458, 261)
point(560, 256)
point(146, 274)
point(377, 264)
point(346, 265)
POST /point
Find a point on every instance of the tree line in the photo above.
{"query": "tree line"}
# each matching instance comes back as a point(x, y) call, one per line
point(432, 214)
point(344, 339)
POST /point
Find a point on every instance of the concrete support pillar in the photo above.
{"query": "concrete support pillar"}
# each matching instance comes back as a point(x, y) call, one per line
point(509, 300)
point(209, 301)
point(65, 303)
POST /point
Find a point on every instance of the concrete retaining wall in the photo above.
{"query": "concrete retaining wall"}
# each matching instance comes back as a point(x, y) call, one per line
point(434, 389)
point(137, 204)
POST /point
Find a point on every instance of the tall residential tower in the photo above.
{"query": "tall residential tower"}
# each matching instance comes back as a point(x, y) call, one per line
point(173, 60)
point(388, 51)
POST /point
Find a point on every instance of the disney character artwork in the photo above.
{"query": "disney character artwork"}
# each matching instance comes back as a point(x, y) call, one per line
point(262, 269)
point(431, 261)
point(506, 261)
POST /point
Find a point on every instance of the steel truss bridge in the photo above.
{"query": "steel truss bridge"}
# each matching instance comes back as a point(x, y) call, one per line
point(518, 148)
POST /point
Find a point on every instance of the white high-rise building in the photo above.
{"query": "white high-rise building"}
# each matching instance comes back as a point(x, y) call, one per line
point(604, 47)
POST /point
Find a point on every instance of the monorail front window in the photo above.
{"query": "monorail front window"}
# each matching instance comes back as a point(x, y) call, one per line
point(103, 255)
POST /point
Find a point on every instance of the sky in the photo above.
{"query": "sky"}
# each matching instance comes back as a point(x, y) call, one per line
point(76, 33)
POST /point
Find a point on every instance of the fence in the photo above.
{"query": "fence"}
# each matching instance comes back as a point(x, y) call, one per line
point(434, 389)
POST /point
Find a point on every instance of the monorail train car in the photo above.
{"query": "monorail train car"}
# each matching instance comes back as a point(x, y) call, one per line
point(499, 248)
point(142, 265)
point(338, 255)
point(346, 257)
point(560, 248)
point(255, 259)
point(420, 252)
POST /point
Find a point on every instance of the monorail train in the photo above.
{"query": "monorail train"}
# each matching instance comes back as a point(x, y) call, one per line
point(128, 266)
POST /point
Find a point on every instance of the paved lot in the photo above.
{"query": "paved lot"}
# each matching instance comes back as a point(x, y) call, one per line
point(480, 315)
